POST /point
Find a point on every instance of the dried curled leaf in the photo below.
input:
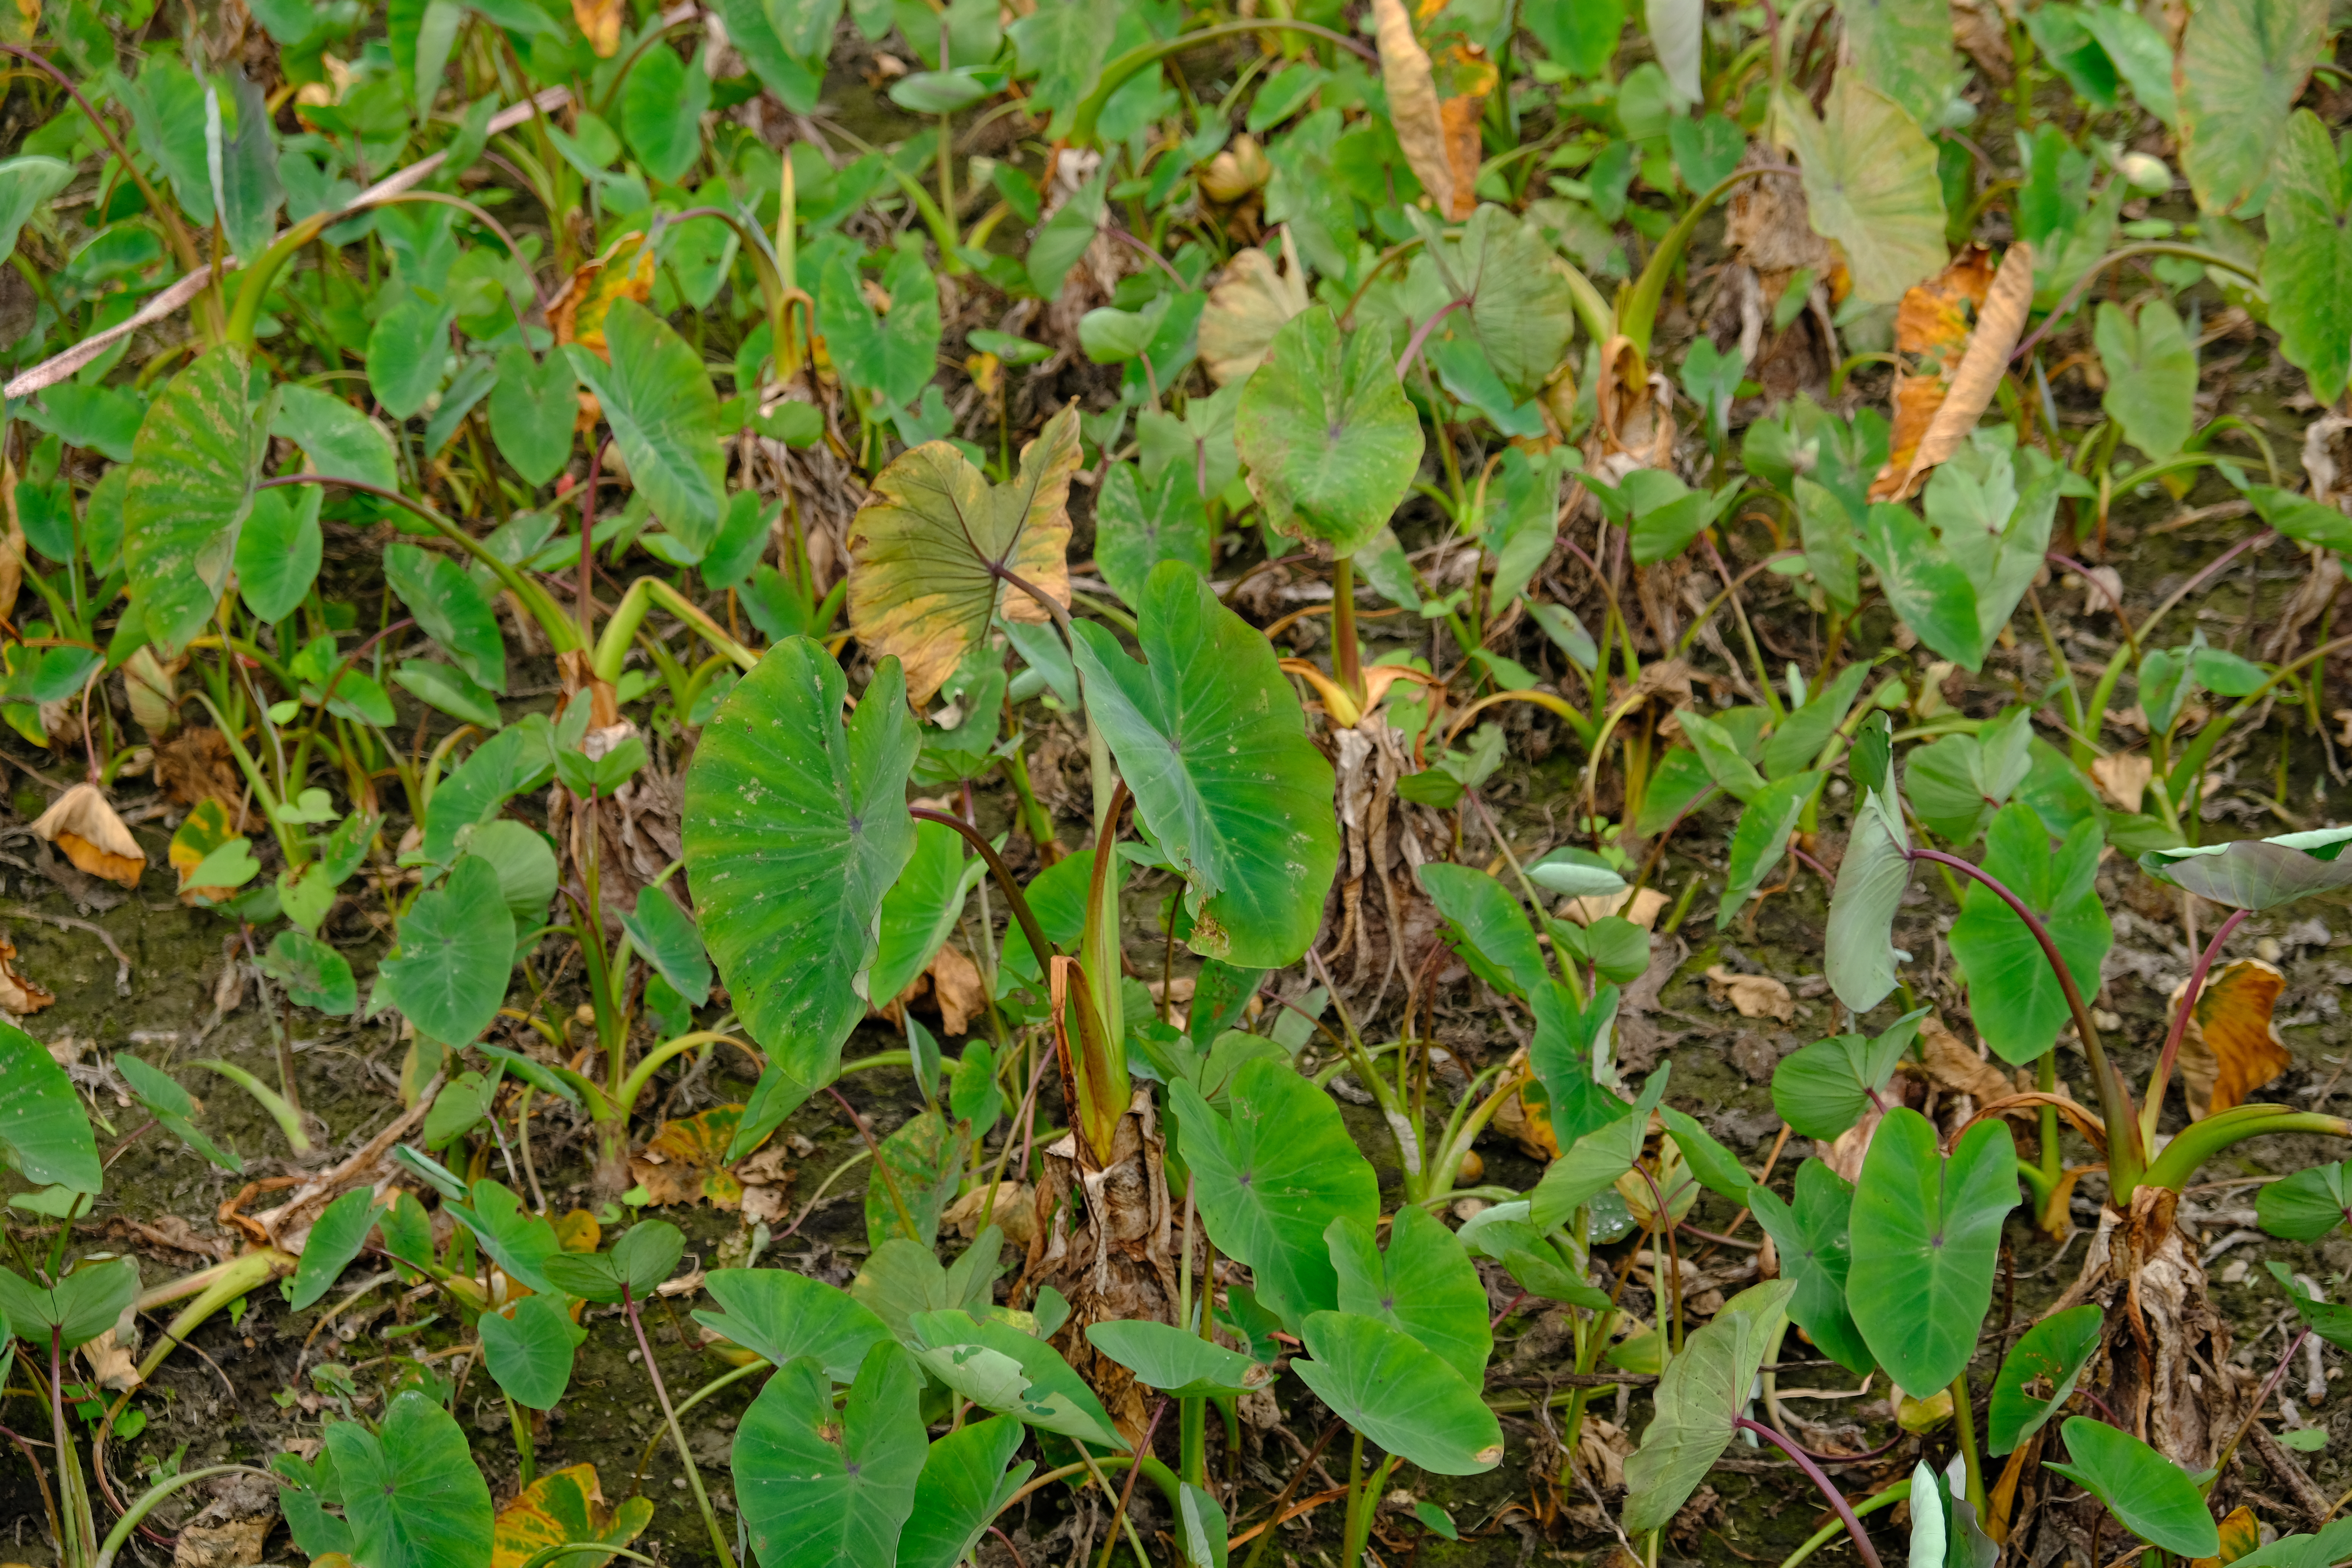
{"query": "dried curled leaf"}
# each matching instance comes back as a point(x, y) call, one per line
point(1754, 995)
point(1237, 172)
point(19, 995)
point(1248, 307)
point(932, 554)
point(1999, 323)
point(2123, 777)
point(625, 271)
point(685, 1161)
point(93, 837)
point(2231, 1047)
point(1932, 327)
point(1439, 136)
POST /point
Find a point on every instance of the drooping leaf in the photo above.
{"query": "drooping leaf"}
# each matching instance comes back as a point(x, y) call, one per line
point(2148, 1494)
point(518, 1241)
point(1858, 952)
point(1487, 927)
point(665, 938)
point(1811, 1238)
point(2037, 1377)
point(795, 828)
point(530, 1352)
point(1704, 1389)
point(412, 1492)
point(335, 1240)
point(1761, 840)
point(657, 399)
point(1394, 1390)
point(932, 553)
point(1272, 1177)
point(1926, 1239)
point(923, 1158)
point(44, 1132)
point(26, 184)
point(1330, 442)
point(1003, 1368)
point(2243, 65)
point(192, 468)
point(922, 907)
point(457, 951)
point(1207, 735)
point(1438, 136)
point(2258, 873)
point(1869, 184)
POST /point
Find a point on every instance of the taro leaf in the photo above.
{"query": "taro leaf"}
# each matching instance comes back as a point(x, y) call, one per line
point(902, 1279)
point(892, 354)
point(1208, 735)
point(1905, 46)
point(819, 1487)
point(1052, 1398)
point(661, 112)
point(1707, 150)
point(192, 468)
point(2308, 1205)
point(1811, 1236)
point(2037, 1377)
point(453, 610)
point(1489, 928)
point(1762, 839)
point(77, 1307)
point(795, 828)
point(43, 1130)
point(518, 1241)
point(530, 1353)
point(2258, 873)
point(1424, 1285)
point(335, 438)
point(412, 1492)
point(1955, 784)
point(922, 907)
point(524, 861)
point(1926, 587)
point(664, 936)
point(1700, 1394)
point(1798, 740)
point(2308, 267)
point(920, 1164)
point(2243, 65)
point(1719, 751)
point(964, 1485)
point(457, 951)
point(2151, 365)
point(1272, 1178)
point(643, 1256)
point(334, 1241)
point(1201, 1528)
point(1139, 522)
point(1404, 1397)
point(1522, 307)
point(2148, 1494)
point(566, 1509)
point(1859, 957)
point(27, 185)
point(1825, 527)
point(1331, 441)
point(933, 553)
point(533, 411)
point(1177, 1361)
point(278, 550)
point(1715, 1167)
point(172, 1107)
point(1926, 1236)
point(1823, 1089)
point(2013, 994)
point(665, 418)
point(1869, 184)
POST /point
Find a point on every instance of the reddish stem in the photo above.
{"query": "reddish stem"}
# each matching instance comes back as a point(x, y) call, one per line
point(1820, 1479)
point(2188, 1003)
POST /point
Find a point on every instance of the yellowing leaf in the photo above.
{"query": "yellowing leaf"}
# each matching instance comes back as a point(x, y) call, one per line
point(932, 554)
point(600, 21)
point(1869, 184)
point(1931, 333)
point(2241, 1536)
point(1986, 361)
point(564, 1508)
point(207, 828)
point(2231, 1047)
point(684, 1161)
point(1248, 307)
point(1440, 137)
point(83, 825)
point(625, 271)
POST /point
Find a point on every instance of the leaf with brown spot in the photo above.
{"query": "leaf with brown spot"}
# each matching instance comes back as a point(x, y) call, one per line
point(1986, 361)
point(2241, 1536)
point(932, 554)
point(564, 1508)
point(207, 828)
point(82, 824)
point(625, 271)
point(2231, 1047)
point(1931, 333)
point(684, 1161)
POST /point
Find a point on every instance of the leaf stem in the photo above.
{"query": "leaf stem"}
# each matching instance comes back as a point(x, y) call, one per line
point(676, 1433)
point(2189, 997)
point(1820, 1479)
point(1039, 948)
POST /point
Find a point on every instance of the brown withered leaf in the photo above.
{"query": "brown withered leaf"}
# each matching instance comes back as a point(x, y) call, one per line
point(625, 271)
point(2122, 777)
point(1752, 995)
point(931, 554)
point(2007, 301)
point(1248, 307)
point(1237, 171)
point(600, 23)
point(19, 995)
point(955, 986)
point(1015, 1213)
point(1950, 1066)
point(684, 1161)
point(84, 825)
point(237, 1544)
point(1439, 136)
point(111, 1363)
point(12, 543)
point(194, 766)
point(1932, 325)
point(152, 685)
point(2231, 1047)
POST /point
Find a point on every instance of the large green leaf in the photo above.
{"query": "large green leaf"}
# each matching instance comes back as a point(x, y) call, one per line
point(1424, 1285)
point(1331, 441)
point(820, 1487)
point(1178, 1362)
point(893, 353)
point(457, 949)
point(1209, 736)
point(933, 553)
point(1270, 1178)
point(1823, 1089)
point(408, 352)
point(1858, 951)
point(43, 1130)
point(193, 470)
point(1869, 183)
point(1140, 522)
point(963, 1486)
point(1926, 1236)
point(534, 409)
point(1955, 784)
point(2258, 873)
point(1487, 927)
point(2151, 368)
point(1701, 1393)
point(452, 608)
point(1401, 1394)
point(530, 1352)
point(923, 905)
point(2037, 1377)
point(1522, 307)
point(2013, 994)
point(795, 827)
point(783, 1316)
point(1926, 587)
point(77, 1308)
point(662, 105)
point(1904, 47)
point(1004, 1368)
point(1815, 1255)
point(26, 187)
point(412, 1491)
point(2243, 65)
point(1761, 840)
point(2148, 1494)
point(2308, 267)
point(2308, 1205)
point(665, 418)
